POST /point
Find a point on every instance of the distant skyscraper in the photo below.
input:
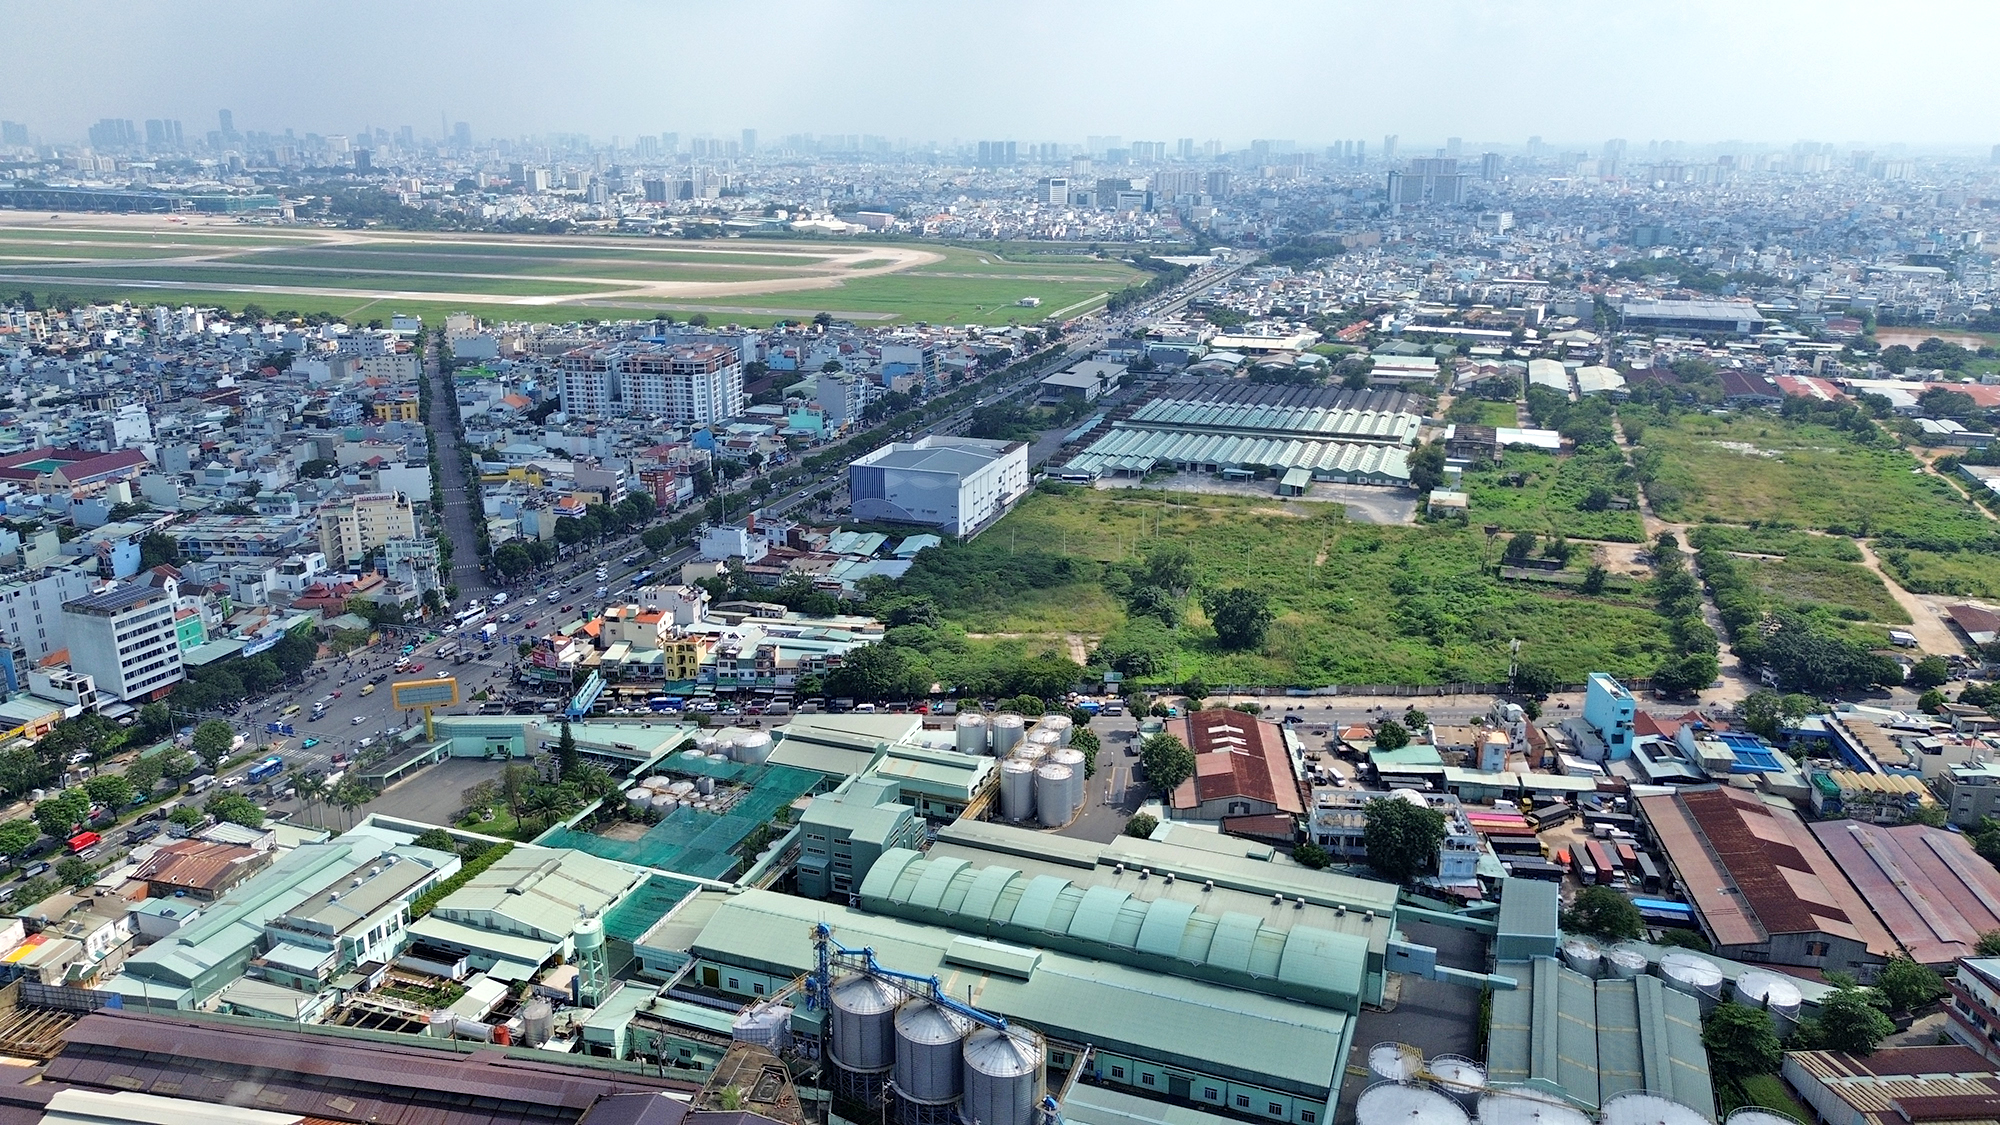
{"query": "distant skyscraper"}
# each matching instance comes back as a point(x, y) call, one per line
point(1428, 181)
point(1452, 146)
point(1053, 190)
point(749, 141)
point(406, 136)
point(670, 143)
point(163, 133)
point(1185, 148)
point(15, 133)
point(1489, 166)
point(461, 135)
point(227, 121)
point(364, 160)
point(1218, 183)
point(113, 132)
point(1389, 148)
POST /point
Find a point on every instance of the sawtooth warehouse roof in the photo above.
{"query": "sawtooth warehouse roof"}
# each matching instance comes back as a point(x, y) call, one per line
point(1129, 450)
point(1227, 1032)
point(1563, 1033)
point(1354, 436)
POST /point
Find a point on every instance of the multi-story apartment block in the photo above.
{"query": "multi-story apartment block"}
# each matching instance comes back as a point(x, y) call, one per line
point(685, 384)
point(31, 607)
point(125, 639)
point(352, 528)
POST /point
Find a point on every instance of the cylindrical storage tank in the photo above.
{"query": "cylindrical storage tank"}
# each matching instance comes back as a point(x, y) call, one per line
point(864, 1015)
point(754, 748)
point(1773, 991)
point(1635, 1107)
point(1514, 1109)
point(538, 1023)
point(971, 734)
point(718, 756)
point(1033, 755)
point(441, 1021)
point(681, 788)
point(1017, 789)
point(929, 1070)
point(704, 744)
point(1752, 1115)
point(704, 786)
point(662, 802)
point(1459, 1078)
point(725, 748)
point(638, 796)
point(1693, 974)
point(1582, 955)
point(1397, 1062)
point(1393, 1103)
point(1624, 962)
point(1064, 756)
point(1003, 1077)
point(1059, 725)
point(657, 781)
point(503, 1035)
point(698, 752)
point(1052, 795)
point(1007, 730)
point(1046, 739)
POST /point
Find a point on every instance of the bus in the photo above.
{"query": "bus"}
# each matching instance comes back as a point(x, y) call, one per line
point(289, 711)
point(265, 770)
point(467, 618)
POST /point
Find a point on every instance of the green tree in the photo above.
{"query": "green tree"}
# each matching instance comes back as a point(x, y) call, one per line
point(187, 816)
point(1391, 735)
point(212, 741)
point(1519, 549)
point(1312, 855)
point(566, 759)
point(17, 835)
point(1141, 825)
point(1171, 567)
point(1906, 986)
point(1427, 467)
point(59, 815)
point(1741, 1042)
point(1603, 912)
point(232, 808)
point(1084, 741)
point(159, 549)
point(110, 790)
point(144, 774)
point(155, 721)
point(1167, 762)
point(1686, 674)
point(515, 781)
point(1685, 939)
point(875, 672)
point(436, 839)
point(1593, 580)
point(1402, 837)
point(1930, 672)
point(1240, 616)
point(75, 871)
point(1931, 701)
point(1848, 1021)
point(1989, 942)
point(1534, 680)
point(178, 764)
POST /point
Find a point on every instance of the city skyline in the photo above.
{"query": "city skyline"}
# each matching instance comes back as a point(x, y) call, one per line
point(1705, 74)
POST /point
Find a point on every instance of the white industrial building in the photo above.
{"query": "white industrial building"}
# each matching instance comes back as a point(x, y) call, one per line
point(958, 484)
point(124, 639)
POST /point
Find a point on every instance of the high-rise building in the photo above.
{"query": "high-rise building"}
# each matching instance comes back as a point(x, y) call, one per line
point(124, 638)
point(353, 527)
point(749, 141)
point(461, 136)
point(113, 133)
point(1184, 148)
point(1453, 146)
point(1489, 166)
point(227, 122)
point(30, 609)
point(1053, 190)
point(684, 384)
point(1428, 181)
point(406, 136)
point(1389, 148)
point(15, 133)
point(162, 133)
point(1218, 183)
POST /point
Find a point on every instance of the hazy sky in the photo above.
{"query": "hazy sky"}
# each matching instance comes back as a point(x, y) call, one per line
point(1029, 70)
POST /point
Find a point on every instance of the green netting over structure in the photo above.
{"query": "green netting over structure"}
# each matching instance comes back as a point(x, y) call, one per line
point(643, 908)
point(696, 841)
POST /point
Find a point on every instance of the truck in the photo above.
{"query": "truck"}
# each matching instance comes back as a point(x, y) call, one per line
point(488, 631)
point(279, 728)
point(447, 648)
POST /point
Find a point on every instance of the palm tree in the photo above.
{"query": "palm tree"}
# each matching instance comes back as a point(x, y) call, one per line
point(593, 783)
point(312, 788)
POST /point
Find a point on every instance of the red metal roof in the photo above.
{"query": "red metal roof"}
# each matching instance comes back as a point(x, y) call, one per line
point(1926, 884)
point(1237, 756)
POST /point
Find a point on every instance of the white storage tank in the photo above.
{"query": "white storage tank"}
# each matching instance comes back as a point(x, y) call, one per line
point(662, 802)
point(767, 1025)
point(1059, 725)
point(681, 788)
point(1752, 1115)
point(1007, 729)
point(1003, 1076)
point(1393, 1103)
point(1017, 789)
point(1033, 755)
point(929, 1068)
point(657, 781)
point(697, 751)
point(1624, 962)
point(1064, 756)
point(1635, 1107)
point(1693, 974)
point(754, 748)
point(864, 1015)
point(638, 796)
point(1052, 788)
point(704, 744)
point(724, 748)
point(1517, 1109)
point(1458, 1078)
point(971, 734)
point(1776, 992)
point(1046, 739)
point(538, 1023)
point(1582, 955)
point(441, 1023)
point(704, 785)
point(1397, 1062)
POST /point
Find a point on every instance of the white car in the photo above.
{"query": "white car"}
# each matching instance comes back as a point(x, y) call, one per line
point(231, 782)
point(528, 601)
point(356, 721)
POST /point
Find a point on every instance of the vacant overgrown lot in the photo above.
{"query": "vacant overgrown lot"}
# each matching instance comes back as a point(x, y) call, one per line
point(1352, 603)
point(1590, 494)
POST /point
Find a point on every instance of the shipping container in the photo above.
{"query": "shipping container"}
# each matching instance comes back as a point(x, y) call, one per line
point(1548, 816)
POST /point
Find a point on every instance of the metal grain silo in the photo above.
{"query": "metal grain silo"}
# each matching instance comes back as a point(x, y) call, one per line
point(1635, 1107)
point(1693, 974)
point(538, 1023)
point(864, 1015)
point(1003, 1076)
point(1064, 756)
point(1017, 789)
point(1624, 962)
point(1007, 728)
point(929, 1072)
point(971, 734)
point(1058, 725)
point(1052, 792)
point(1514, 1108)
point(1583, 956)
point(1775, 992)
point(1033, 755)
point(1394, 1103)
point(1046, 739)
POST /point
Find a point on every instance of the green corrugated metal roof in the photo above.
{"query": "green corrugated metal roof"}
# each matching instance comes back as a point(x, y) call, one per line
point(983, 898)
point(1165, 931)
point(929, 891)
point(1097, 915)
point(1588, 1040)
point(1574, 1032)
point(993, 957)
point(1038, 902)
point(1234, 935)
point(1619, 1066)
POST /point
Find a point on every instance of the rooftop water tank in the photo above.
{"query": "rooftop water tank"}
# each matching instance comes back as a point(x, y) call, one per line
point(1003, 1076)
point(971, 734)
point(1393, 1103)
point(1007, 728)
point(1052, 792)
point(1017, 789)
point(864, 1014)
point(929, 1069)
